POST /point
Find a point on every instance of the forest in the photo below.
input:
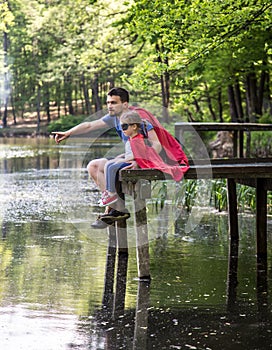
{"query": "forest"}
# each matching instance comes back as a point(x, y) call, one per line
point(200, 60)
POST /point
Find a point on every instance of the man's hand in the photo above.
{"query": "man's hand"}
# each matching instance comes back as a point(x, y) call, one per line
point(60, 135)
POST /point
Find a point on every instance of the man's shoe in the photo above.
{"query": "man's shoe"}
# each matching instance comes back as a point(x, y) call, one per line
point(99, 224)
point(114, 215)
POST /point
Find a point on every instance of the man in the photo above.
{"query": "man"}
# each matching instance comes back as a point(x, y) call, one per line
point(117, 104)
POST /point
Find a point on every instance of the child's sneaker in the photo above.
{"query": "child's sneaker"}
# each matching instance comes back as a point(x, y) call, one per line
point(108, 199)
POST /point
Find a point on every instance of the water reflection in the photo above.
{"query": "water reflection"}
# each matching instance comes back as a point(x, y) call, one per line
point(232, 281)
point(113, 313)
point(236, 326)
point(64, 285)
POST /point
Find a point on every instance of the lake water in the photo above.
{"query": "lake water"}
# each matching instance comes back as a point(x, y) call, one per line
point(63, 285)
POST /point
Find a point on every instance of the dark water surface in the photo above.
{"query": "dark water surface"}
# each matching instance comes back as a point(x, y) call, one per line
point(62, 286)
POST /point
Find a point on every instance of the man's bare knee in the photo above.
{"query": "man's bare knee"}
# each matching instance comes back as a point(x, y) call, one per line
point(92, 167)
point(96, 164)
point(96, 170)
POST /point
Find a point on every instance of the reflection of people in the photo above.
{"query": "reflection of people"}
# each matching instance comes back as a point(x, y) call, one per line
point(160, 140)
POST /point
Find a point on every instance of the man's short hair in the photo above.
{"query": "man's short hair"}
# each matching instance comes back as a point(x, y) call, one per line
point(122, 93)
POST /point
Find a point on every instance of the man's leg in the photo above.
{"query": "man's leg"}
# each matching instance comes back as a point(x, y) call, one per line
point(96, 171)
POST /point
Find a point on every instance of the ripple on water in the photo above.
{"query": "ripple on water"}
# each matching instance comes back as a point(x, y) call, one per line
point(23, 328)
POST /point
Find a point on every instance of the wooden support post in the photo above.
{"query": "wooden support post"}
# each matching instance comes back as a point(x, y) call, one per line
point(121, 278)
point(232, 280)
point(261, 233)
point(107, 301)
point(141, 316)
point(234, 244)
point(233, 212)
point(262, 287)
point(261, 220)
point(121, 236)
point(120, 288)
point(121, 226)
point(142, 244)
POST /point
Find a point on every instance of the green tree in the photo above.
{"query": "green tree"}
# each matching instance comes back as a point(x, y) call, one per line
point(215, 53)
point(206, 60)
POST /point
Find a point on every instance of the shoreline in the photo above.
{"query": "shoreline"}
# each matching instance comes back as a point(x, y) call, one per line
point(24, 130)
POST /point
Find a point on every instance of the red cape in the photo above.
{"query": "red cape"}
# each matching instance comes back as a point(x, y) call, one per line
point(147, 157)
point(171, 146)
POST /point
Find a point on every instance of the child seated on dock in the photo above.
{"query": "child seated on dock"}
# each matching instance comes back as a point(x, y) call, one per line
point(132, 125)
point(137, 149)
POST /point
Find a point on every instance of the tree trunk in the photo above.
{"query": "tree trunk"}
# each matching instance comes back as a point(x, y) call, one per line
point(38, 108)
point(190, 115)
point(76, 98)
point(252, 96)
point(199, 112)
point(238, 102)
point(6, 81)
point(232, 104)
point(220, 105)
point(95, 94)
point(209, 100)
point(68, 92)
point(58, 98)
point(165, 96)
point(13, 109)
point(263, 87)
point(165, 85)
point(47, 103)
point(86, 94)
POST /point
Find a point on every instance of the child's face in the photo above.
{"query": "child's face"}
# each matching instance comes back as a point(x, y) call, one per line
point(129, 129)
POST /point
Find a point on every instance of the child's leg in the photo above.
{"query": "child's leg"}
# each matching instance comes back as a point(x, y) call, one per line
point(111, 173)
point(109, 196)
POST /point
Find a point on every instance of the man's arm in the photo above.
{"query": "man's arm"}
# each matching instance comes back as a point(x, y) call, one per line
point(153, 139)
point(79, 129)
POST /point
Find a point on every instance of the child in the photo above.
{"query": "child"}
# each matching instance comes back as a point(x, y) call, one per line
point(132, 125)
point(136, 149)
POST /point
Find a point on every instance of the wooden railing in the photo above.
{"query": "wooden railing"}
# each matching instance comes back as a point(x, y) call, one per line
point(238, 130)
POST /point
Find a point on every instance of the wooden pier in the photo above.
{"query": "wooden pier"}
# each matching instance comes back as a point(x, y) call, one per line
point(254, 172)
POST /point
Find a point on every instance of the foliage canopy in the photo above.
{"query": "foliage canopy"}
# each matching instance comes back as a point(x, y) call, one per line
point(200, 59)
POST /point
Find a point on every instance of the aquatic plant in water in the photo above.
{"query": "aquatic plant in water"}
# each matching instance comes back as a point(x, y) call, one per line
point(188, 191)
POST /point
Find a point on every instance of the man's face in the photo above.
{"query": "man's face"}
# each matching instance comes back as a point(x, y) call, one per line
point(115, 106)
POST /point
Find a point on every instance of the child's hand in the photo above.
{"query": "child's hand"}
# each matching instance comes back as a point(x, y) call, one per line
point(133, 165)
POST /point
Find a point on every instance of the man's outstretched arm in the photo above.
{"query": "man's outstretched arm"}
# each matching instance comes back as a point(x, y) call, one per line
point(79, 129)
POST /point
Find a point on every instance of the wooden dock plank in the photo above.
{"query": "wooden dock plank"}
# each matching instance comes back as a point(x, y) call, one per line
point(206, 171)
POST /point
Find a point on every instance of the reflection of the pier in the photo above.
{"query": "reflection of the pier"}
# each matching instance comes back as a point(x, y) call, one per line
point(122, 330)
point(150, 327)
